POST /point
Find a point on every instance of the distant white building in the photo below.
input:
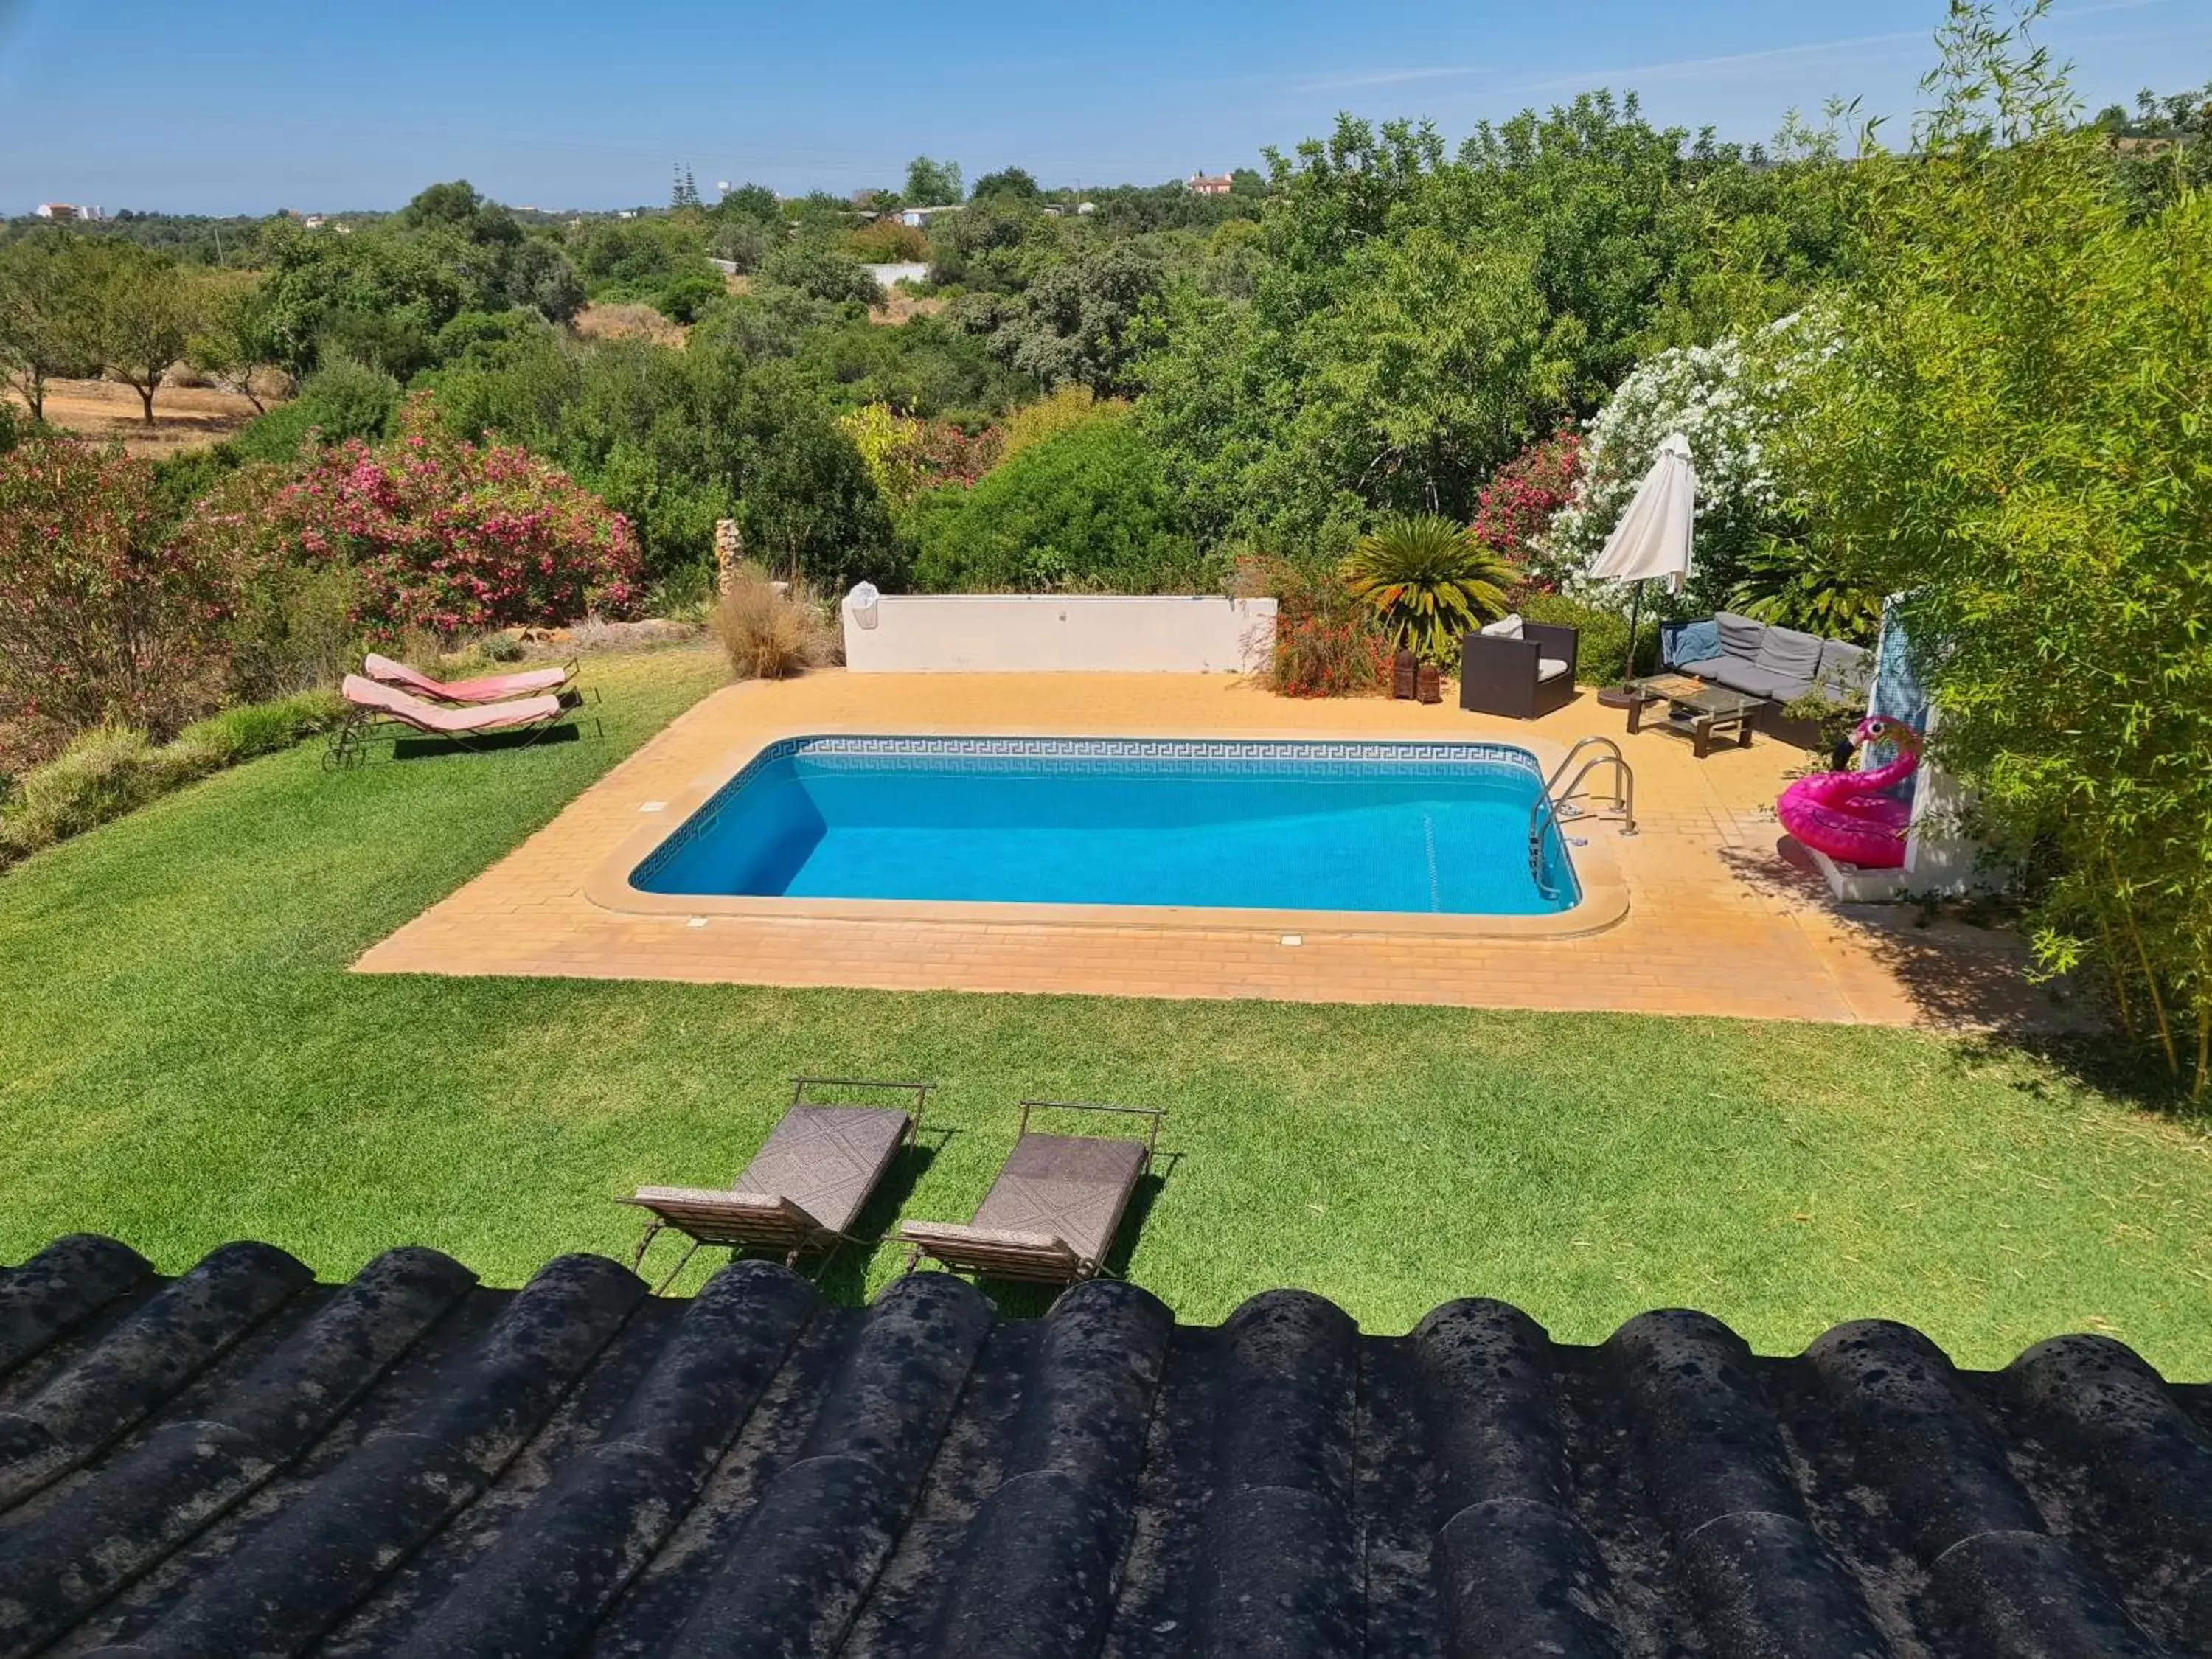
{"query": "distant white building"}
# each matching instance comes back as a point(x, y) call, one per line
point(1214, 184)
point(67, 211)
point(919, 217)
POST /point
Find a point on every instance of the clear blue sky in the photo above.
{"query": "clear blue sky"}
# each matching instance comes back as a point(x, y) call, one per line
point(246, 106)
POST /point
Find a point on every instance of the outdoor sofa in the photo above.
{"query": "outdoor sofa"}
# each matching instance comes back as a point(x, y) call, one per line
point(1518, 669)
point(1779, 665)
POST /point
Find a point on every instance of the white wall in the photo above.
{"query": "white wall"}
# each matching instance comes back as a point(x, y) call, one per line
point(1027, 633)
point(887, 275)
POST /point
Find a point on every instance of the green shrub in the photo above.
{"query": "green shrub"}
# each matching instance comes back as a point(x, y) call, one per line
point(1603, 643)
point(1805, 586)
point(683, 300)
point(262, 728)
point(1087, 509)
point(105, 772)
point(478, 336)
point(339, 401)
point(291, 630)
point(821, 271)
point(112, 770)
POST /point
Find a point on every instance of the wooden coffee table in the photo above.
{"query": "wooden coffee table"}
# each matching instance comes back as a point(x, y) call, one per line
point(1703, 712)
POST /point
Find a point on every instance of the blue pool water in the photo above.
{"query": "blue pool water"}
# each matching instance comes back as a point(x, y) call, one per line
point(1429, 827)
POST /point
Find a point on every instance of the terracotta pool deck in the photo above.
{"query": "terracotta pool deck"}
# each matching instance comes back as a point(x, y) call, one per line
point(1719, 920)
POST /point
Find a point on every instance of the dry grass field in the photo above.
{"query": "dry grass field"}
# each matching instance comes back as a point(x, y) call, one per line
point(184, 417)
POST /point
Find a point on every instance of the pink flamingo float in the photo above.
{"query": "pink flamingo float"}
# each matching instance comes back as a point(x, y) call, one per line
point(1845, 814)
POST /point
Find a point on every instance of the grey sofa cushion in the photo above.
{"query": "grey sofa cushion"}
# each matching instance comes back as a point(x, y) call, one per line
point(1740, 636)
point(1712, 668)
point(1758, 682)
point(1792, 656)
point(1549, 668)
point(1845, 671)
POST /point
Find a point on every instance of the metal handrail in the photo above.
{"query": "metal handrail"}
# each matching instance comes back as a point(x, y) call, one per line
point(1559, 771)
point(1552, 800)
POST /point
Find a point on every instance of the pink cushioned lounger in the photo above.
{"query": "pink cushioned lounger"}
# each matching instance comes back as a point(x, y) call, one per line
point(492, 688)
point(395, 704)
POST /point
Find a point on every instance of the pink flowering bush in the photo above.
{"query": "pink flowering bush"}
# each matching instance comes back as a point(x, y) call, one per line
point(1517, 507)
point(452, 538)
point(101, 620)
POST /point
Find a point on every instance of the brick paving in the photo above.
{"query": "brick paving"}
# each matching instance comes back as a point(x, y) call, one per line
point(1719, 922)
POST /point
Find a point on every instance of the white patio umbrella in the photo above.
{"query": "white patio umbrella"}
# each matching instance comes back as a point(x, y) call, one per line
point(1653, 539)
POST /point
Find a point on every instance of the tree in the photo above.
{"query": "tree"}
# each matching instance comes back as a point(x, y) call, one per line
point(48, 313)
point(1076, 322)
point(756, 203)
point(387, 291)
point(148, 311)
point(1014, 183)
point(987, 245)
point(233, 342)
point(930, 183)
point(2013, 429)
point(1086, 510)
point(540, 279)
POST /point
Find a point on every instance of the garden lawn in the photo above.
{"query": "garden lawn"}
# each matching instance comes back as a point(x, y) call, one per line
point(185, 1061)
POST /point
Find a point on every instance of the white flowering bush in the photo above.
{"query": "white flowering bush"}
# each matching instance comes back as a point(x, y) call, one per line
point(1728, 400)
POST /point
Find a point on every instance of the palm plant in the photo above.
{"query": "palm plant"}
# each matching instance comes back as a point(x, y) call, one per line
point(1789, 584)
point(1429, 580)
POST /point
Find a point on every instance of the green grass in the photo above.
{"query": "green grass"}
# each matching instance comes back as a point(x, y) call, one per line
point(185, 1060)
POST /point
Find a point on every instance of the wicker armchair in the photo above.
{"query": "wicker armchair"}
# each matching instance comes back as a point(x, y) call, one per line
point(1520, 678)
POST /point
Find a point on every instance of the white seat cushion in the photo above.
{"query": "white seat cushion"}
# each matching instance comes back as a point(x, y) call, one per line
point(1505, 628)
point(1549, 668)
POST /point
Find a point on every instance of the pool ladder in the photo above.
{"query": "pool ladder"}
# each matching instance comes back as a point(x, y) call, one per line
point(1556, 804)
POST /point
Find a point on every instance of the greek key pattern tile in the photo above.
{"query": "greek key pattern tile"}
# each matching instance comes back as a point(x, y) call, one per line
point(1194, 757)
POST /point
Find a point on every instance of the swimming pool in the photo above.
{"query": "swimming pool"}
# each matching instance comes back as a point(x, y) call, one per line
point(1440, 829)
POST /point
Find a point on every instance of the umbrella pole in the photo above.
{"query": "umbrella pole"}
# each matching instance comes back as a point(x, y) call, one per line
point(1635, 619)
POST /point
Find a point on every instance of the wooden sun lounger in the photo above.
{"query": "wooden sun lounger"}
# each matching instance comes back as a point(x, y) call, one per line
point(806, 1187)
point(1051, 1215)
point(491, 687)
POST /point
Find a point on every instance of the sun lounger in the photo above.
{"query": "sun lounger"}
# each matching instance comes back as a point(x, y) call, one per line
point(1051, 1215)
point(375, 712)
point(491, 687)
point(806, 1187)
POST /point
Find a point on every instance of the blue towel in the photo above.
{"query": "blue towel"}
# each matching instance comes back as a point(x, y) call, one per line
point(1689, 641)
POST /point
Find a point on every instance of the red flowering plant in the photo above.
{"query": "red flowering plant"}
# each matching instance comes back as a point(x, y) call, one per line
point(454, 537)
point(99, 620)
point(1515, 508)
point(1325, 644)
